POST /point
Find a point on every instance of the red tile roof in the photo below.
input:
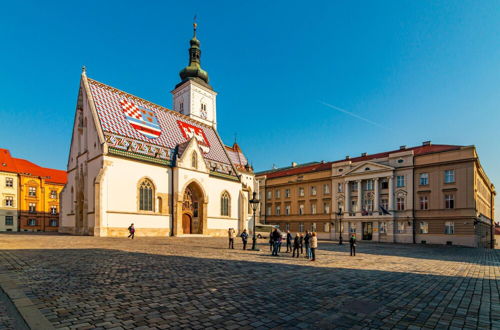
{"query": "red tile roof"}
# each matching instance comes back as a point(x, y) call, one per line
point(50, 175)
point(300, 169)
point(417, 151)
point(23, 166)
point(420, 150)
point(7, 163)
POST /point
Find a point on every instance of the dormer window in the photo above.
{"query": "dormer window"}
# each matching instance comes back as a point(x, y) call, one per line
point(181, 107)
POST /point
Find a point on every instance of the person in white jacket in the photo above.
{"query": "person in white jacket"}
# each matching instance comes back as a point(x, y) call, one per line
point(314, 246)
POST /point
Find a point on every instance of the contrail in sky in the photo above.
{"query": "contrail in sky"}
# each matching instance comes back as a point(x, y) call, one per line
point(352, 114)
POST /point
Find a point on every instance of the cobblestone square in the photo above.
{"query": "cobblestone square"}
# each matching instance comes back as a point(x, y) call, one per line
point(157, 283)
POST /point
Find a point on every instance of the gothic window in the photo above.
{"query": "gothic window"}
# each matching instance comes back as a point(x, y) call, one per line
point(194, 160)
point(146, 192)
point(225, 201)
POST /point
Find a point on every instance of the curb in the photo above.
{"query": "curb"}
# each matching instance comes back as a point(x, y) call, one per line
point(29, 312)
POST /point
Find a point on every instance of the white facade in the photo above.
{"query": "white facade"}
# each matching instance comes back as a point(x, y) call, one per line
point(196, 101)
point(103, 195)
point(362, 190)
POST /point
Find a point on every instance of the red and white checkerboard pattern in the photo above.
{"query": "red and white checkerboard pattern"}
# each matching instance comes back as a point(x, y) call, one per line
point(130, 109)
point(110, 114)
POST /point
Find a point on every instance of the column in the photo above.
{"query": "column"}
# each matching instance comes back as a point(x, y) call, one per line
point(376, 201)
point(391, 193)
point(360, 196)
point(347, 197)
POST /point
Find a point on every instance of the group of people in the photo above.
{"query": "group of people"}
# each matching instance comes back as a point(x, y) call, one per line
point(232, 235)
point(307, 241)
point(297, 245)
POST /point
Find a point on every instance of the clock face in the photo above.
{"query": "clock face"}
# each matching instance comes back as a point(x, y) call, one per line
point(203, 113)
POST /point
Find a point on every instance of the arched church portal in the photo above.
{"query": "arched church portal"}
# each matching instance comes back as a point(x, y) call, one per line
point(193, 219)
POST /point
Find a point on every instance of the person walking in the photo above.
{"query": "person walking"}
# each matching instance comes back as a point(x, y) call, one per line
point(131, 231)
point(352, 244)
point(307, 244)
point(271, 242)
point(244, 238)
point(301, 244)
point(231, 234)
point(314, 246)
point(296, 245)
point(277, 241)
point(289, 239)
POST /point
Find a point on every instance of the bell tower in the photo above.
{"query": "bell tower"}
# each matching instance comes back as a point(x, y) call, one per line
point(193, 96)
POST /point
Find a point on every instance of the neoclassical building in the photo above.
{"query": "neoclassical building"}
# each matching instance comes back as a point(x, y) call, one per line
point(428, 194)
point(166, 171)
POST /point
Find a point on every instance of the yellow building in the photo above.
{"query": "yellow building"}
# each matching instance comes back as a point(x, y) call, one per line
point(9, 187)
point(39, 196)
point(29, 195)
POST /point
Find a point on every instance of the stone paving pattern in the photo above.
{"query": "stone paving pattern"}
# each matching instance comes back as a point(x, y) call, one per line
point(196, 283)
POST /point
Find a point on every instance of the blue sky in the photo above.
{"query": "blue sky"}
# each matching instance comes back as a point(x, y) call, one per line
point(409, 71)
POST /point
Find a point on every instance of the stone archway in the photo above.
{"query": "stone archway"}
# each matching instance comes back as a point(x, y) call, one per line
point(191, 211)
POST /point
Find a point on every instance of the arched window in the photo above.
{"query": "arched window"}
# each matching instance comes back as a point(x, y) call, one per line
point(225, 204)
point(146, 196)
point(194, 160)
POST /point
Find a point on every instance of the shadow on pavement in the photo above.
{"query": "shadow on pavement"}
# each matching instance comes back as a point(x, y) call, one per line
point(96, 286)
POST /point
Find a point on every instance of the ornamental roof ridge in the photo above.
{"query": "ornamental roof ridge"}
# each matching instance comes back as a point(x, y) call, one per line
point(137, 98)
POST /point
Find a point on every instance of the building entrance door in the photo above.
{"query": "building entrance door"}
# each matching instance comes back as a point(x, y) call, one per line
point(186, 223)
point(367, 231)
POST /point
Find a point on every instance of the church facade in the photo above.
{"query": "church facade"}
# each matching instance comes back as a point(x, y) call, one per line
point(166, 171)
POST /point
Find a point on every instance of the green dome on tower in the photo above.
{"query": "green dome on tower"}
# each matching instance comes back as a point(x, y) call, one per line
point(194, 71)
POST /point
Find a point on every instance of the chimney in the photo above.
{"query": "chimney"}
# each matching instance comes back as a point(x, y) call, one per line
point(402, 147)
point(347, 157)
point(294, 164)
point(426, 143)
point(363, 154)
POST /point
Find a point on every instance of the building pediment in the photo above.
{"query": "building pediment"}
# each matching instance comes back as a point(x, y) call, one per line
point(368, 167)
point(190, 156)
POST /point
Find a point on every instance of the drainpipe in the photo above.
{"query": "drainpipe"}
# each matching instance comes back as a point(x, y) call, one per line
point(413, 210)
point(492, 216)
point(172, 212)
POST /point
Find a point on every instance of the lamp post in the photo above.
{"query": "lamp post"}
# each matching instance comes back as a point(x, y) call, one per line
point(255, 204)
point(339, 218)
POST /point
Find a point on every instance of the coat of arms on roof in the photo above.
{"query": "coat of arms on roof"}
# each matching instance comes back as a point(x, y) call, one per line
point(140, 118)
point(189, 131)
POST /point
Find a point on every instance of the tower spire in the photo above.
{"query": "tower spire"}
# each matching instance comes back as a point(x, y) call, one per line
point(194, 26)
point(194, 71)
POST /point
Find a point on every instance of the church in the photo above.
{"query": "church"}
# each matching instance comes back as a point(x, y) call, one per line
point(166, 171)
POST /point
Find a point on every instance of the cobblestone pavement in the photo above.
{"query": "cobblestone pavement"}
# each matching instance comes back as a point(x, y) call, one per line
point(9, 317)
point(157, 283)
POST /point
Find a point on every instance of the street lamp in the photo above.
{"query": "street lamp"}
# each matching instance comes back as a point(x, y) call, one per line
point(255, 204)
point(339, 218)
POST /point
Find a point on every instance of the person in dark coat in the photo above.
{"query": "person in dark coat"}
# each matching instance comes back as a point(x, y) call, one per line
point(296, 245)
point(301, 243)
point(307, 244)
point(244, 238)
point(271, 242)
point(352, 244)
point(131, 231)
point(277, 241)
point(289, 239)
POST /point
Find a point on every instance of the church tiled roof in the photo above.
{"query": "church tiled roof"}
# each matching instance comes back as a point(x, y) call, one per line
point(236, 155)
point(174, 128)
